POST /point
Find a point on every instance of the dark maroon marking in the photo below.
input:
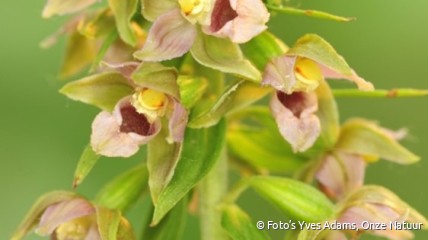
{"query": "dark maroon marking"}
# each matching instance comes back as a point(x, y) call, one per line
point(132, 121)
point(222, 14)
point(296, 102)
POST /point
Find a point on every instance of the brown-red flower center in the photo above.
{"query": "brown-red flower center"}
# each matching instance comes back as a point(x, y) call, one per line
point(132, 121)
point(222, 13)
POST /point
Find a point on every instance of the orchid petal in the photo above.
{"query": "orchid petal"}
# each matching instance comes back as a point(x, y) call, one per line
point(177, 123)
point(296, 119)
point(170, 36)
point(359, 81)
point(63, 212)
point(125, 68)
point(152, 9)
point(279, 73)
point(61, 7)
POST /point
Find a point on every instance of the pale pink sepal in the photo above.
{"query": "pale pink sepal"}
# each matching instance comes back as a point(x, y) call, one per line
point(170, 36)
point(296, 119)
point(61, 7)
point(279, 73)
point(359, 81)
point(63, 212)
point(177, 122)
point(109, 138)
point(340, 174)
point(124, 68)
point(239, 20)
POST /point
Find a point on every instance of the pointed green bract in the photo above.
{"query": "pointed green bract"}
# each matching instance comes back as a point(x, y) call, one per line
point(319, 50)
point(310, 13)
point(102, 90)
point(253, 137)
point(108, 221)
point(237, 96)
point(171, 227)
point(191, 89)
point(87, 161)
point(162, 159)
point(124, 190)
point(201, 150)
point(363, 137)
point(223, 55)
point(158, 77)
point(123, 12)
point(262, 48)
point(239, 226)
point(297, 200)
point(33, 216)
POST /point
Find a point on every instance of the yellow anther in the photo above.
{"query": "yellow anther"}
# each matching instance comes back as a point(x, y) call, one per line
point(189, 6)
point(76, 229)
point(308, 74)
point(151, 99)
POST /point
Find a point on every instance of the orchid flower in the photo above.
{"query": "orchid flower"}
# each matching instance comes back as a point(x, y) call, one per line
point(175, 24)
point(137, 118)
point(295, 76)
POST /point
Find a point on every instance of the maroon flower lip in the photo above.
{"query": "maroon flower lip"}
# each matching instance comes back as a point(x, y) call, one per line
point(132, 121)
point(222, 14)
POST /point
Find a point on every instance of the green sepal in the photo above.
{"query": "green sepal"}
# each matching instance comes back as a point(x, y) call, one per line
point(97, 24)
point(297, 200)
point(124, 190)
point(253, 137)
point(172, 225)
point(108, 221)
point(102, 90)
point(309, 13)
point(223, 55)
point(158, 77)
point(363, 137)
point(33, 216)
point(87, 161)
point(123, 12)
point(238, 95)
point(125, 231)
point(162, 159)
point(153, 9)
point(191, 89)
point(80, 52)
point(262, 48)
point(239, 225)
point(201, 150)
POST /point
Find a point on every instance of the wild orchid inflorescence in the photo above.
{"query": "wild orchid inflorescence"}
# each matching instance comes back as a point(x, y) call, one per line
point(189, 82)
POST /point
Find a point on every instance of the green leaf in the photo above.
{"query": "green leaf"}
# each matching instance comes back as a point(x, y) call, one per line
point(87, 161)
point(102, 90)
point(237, 96)
point(108, 222)
point(33, 216)
point(239, 226)
point(171, 227)
point(123, 12)
point(191, 89)
point(223, 55)
point(158, 77)
point(262, 48)
point(124, 190)
point(201, 150)
point(253, 137)
point(381, 93)
point(316, 48)
point(79, 53)
point(162, 159)
point(296, 199)
point(310, 13)
point(61, 7)
point(363, 137)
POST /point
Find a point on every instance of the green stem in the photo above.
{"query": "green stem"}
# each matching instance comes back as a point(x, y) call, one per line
point(381, 93)
point(237, 190)
point(310, 13)
point(212, 190)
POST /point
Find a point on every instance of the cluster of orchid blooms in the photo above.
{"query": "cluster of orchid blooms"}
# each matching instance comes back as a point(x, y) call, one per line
point(158, 72)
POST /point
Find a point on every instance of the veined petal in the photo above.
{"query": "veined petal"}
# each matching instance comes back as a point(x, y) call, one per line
point(341, 173)
point(63, 212)
point(152, 9)
point(61, 7)
point(119, 134)
point(177, 122)
point(239, 20)
point(359, 81)
point(296, 119)
point(170, 36)
point(125, 68)
point(279, 73)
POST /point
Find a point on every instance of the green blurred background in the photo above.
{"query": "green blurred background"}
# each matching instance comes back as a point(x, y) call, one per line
point(43, 133)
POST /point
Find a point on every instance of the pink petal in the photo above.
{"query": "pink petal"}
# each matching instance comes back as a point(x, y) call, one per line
point(341, 174)
point(239, 20)
point(279, 73)
point(63, 212)
point(124, 68)
point(119, 134)
point(177, 122)
point(170, 36)
point(361, 83)
point(296, 119)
